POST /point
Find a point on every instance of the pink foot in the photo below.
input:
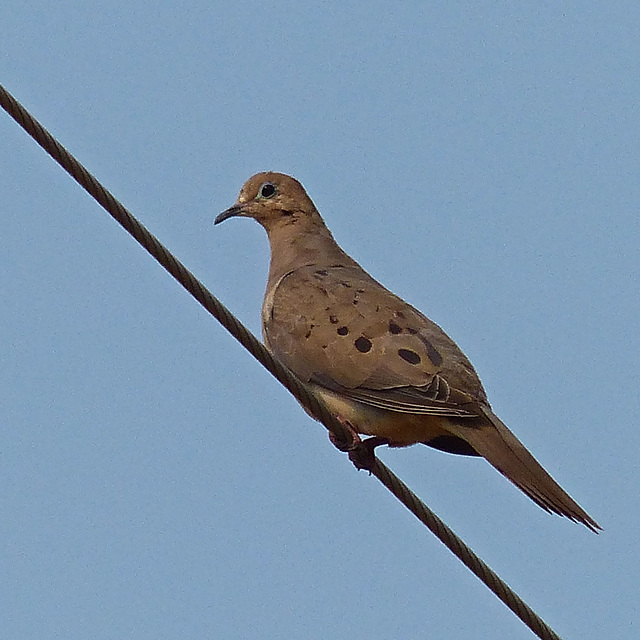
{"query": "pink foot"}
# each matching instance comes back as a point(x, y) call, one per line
point(352, 443)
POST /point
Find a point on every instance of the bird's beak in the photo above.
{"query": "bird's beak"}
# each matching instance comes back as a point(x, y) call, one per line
point(235, 210)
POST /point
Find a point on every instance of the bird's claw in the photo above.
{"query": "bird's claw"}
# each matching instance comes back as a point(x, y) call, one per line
point(363, 455)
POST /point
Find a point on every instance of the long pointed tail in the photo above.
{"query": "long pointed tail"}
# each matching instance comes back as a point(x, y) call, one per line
point(508, 455)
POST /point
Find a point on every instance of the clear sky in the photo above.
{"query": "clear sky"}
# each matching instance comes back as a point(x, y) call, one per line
point(480, 159)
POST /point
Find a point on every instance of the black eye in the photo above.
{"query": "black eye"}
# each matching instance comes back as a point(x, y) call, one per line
point(267, 190)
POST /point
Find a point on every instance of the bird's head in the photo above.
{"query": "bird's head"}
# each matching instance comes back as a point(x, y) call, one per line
point(273, 200)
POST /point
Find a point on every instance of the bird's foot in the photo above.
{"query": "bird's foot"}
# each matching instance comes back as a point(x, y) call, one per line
point(363, 455)
point(361, 452)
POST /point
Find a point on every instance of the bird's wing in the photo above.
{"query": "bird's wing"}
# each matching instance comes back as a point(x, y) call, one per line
point(338, 327)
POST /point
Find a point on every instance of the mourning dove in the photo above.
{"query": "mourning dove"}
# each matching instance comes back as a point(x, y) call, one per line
point(381, 367)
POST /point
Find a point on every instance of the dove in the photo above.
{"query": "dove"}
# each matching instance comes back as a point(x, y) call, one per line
point(380, 366)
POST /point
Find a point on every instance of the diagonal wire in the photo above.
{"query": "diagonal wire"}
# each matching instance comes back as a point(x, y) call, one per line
point(341, 436)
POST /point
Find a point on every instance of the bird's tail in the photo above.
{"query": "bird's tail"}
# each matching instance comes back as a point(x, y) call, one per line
point(509, 456)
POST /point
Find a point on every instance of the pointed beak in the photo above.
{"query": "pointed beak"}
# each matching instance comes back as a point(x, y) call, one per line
point(235, 210)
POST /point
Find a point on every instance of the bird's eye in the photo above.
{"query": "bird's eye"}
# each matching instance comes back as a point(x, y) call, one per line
point(267, 190)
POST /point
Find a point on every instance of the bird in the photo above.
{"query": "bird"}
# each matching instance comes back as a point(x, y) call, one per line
point(381, 367)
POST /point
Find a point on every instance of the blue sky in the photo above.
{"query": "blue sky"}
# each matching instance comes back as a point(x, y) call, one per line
point(480, 159)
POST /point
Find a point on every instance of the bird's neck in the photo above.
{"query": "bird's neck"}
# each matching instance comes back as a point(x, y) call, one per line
point(293, 247)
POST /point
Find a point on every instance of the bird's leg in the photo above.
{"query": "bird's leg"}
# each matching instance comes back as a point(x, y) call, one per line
point(361, 452)
point(339, 443)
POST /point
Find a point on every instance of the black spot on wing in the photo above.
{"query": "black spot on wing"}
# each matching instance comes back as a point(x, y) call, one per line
point(432, 352)
point(394, 328)
point(342, 331)
point(410, 356)
point(363, 345)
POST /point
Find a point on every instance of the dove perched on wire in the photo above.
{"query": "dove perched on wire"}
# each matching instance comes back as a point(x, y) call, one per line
point(381, 367)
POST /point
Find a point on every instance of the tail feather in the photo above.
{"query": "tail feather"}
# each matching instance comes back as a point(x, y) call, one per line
point(508, 455)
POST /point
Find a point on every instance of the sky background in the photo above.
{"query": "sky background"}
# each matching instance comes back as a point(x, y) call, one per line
point(481, 159)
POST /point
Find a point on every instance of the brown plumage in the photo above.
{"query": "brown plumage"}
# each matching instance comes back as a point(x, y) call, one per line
point(378, 363)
